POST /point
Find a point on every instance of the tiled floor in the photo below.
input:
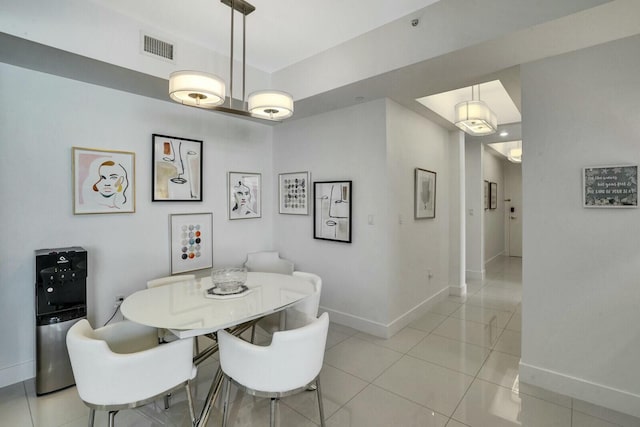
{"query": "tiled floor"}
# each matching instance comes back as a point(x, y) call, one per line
point(456, 366)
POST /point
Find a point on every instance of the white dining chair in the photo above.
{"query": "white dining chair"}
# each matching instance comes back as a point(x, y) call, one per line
point(299, 312)
point(122, 366)
point(287, 366)
point(268, 262)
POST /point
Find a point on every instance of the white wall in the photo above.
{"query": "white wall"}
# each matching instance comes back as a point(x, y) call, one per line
point(417, 246)
point(581, 291)
point(42, 117)
point(376, 282)
point(347, 144)
point(494, 219)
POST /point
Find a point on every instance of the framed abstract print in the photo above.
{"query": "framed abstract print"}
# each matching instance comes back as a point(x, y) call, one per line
point(177, 169)
point(332, 210)
point(293, 194)
point(424, 194)
point(191, 242)
point(103, 181)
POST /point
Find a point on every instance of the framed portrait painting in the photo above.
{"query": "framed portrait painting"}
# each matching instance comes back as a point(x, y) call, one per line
point(103, 181)
point(332, 211)
point(177, 169)
point(424, 194)
point(294, 193)
point(244, 195)
point(191, 242)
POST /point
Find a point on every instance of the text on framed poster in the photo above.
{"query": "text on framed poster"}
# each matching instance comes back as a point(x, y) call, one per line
point(610, 186)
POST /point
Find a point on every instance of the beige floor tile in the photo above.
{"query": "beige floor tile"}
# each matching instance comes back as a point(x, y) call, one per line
point(14, 407)
point(453, 354)
point(501, 369)
point(428, 322)
point(402, 342)
point(549, 396)
point(515, 323)
point(470, 332)
point(606, 414)
point(427, 384)
point(509, 342)
point(55, 408)
point(483, 315)
point(361, 358)
point(454, 423)
point(583, 420)
point(338, 388)
point(375, 407)
point(490, 405)
point(445, 307)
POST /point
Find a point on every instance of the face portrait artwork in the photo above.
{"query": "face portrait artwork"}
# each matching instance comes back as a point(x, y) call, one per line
point(112, 184)
point(103, 181)
point(244, 195)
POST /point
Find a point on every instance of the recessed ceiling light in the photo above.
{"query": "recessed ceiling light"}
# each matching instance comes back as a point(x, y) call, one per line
point(504, 133)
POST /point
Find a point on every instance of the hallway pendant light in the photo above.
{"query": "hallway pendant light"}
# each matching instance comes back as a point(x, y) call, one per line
point(515, 154)
point(204, 90)
point(475, 117)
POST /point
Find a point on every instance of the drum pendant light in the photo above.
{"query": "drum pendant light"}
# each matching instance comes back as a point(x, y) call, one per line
point(205, 90)
point(475, 117)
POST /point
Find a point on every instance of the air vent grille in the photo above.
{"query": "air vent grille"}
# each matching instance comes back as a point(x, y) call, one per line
point(157, 47)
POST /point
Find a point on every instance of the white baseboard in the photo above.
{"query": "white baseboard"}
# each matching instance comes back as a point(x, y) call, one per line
point(17, 373)
point(458, 291)
point(382, 330)
point(493, 257)
point(578, 388)
point(476, 275)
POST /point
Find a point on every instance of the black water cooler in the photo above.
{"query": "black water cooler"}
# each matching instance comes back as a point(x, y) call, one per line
point(61, 300)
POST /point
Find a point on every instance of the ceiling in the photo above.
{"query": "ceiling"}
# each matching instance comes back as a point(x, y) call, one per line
point(279, 32)
point(329, 54)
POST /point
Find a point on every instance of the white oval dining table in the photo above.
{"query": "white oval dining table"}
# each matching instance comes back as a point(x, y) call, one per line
point(183, 308)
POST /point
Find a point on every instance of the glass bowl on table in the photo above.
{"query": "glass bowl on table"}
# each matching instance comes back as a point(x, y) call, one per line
point(228, 280)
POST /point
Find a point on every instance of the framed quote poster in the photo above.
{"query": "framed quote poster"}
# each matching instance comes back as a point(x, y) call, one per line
point(191, 242)
point(332, 211)
point(424, 194)
point(610, 186)
point(244, 195)
point(177, 169)
point(293, 194)
point(103, 181)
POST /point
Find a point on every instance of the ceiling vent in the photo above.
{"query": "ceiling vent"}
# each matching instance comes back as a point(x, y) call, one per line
point(157, 48)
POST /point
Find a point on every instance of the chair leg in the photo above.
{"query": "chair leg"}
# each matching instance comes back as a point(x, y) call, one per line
point(112, 418)
point(320, 404)
point(225, 403)
point(192, 412)
point(167, 400)
point(253, 334)
point(273, 412)
point(92, 416)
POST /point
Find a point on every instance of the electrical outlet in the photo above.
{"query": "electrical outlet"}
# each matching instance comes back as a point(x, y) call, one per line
point(119, 300)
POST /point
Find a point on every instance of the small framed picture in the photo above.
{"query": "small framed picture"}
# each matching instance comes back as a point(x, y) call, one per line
point(103, 181)
point(191, 242)
point(610, 186)
point(424, 194)
point(244, 195)
point(294, 193)
point(486, 195)
point(177, 169)
point(332, 211)
point(493, 195)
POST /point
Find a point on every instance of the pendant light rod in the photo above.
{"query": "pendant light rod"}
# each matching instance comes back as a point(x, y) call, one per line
point(231, 61)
